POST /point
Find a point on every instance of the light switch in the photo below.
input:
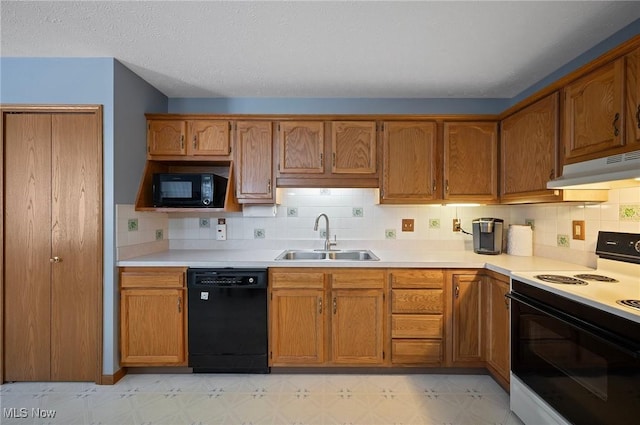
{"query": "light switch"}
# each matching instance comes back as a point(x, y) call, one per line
point(578, 229)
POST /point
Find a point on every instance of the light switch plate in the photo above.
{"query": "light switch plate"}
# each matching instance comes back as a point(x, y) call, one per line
point(578, 229)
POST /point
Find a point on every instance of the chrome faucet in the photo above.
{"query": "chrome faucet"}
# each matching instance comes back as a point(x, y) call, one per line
point(327, 241)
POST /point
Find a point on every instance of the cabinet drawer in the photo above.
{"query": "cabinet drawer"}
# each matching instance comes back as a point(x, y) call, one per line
point(307, 280)
point(358, 279)
point(417, 301)
point(416, 326)
point(152, 278)
point(429, 279)
point(416, 351)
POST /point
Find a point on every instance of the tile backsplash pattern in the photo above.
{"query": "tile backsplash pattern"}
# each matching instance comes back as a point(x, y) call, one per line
point(621, 214)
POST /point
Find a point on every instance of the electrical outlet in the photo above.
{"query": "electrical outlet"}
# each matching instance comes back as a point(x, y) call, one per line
point(292, 212)
point(258, 233)
point(407, 225)
point(357, 212)
point(434, 223)
point(159, 234)
point(456, 224)
point(204, 223)
point(390, 234)
point(530, 222)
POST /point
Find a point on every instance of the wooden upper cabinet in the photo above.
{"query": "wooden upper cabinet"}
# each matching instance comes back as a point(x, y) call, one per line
point(175, 137)
point(210, 137)
point(254, 153)
point(632, 104)
point(166, 137)
point(409, 162)
point(471, 161)
point(528, 147)
point(353, 147)
point(301, 147)
point(594, 119)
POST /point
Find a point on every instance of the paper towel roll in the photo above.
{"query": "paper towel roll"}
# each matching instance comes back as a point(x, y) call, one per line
point(520, 240)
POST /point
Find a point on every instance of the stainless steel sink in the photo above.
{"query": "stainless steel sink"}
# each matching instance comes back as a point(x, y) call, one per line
point(332, 255)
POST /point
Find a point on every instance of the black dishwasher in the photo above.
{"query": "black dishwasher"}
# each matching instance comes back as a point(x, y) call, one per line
point(227, 320)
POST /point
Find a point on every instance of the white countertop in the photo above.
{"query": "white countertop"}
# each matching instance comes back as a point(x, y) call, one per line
point(388, 259)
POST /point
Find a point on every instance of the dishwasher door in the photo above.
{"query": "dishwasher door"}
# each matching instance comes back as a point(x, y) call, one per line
point(228, 320)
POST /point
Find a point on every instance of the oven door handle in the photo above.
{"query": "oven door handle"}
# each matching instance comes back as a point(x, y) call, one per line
point(596, 332)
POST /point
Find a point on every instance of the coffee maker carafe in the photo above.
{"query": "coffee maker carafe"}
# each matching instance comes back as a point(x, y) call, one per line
point(487, 235)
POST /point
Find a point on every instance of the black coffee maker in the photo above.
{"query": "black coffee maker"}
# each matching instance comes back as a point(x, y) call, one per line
point(487, 235)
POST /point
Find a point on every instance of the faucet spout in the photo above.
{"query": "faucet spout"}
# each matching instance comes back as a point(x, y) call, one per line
point(327, 241)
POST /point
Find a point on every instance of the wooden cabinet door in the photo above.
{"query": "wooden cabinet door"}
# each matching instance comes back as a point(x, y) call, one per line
point(498, 339)
point(152, 327)
point(301, 147)
point(210, 137)
point(409, 162)
point(254, 153)
point(297, 326)
point(471, 161)
point(357, 325)
point(467, 319)
point(353, 147)
point(593, 113)
point(632, 105)
point(529, 146)
point(166, 137)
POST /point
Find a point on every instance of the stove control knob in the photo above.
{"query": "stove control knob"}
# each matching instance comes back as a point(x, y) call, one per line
point(637, 246)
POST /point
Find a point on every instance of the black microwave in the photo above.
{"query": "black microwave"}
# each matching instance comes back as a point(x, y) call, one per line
point(189, 190)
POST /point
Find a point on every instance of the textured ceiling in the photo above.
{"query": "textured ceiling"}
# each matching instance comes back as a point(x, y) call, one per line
point(415, 49)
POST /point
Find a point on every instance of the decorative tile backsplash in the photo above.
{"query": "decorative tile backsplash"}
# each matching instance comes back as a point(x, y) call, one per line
point(356, 215)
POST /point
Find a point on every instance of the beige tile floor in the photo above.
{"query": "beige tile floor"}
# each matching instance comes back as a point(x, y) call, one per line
point(276, 399)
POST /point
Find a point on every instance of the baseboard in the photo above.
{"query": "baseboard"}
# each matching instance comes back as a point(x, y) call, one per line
point(112, 379)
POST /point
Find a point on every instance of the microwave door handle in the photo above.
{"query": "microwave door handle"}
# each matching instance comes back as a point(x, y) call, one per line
point(596, 332)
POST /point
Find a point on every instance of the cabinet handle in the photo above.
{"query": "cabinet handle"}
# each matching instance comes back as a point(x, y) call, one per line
point(457, 291)
point(638, 116)
point(506, 301)
point(194, 142)
point(446, 184)
point(616, 131)
point(335, 305)
point(320, 305)
point(321, 160)
point(269, 186)
point(552, 174)
point(334, 159)
point(179, 304)
point(55, 260)
point(434, 185)
point(182, 141)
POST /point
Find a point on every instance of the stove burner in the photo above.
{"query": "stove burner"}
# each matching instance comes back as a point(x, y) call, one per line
point(598, 277)
point(630, 303)
point(555, 278)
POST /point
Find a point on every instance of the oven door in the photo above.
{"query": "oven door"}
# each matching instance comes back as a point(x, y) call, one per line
point(588, 374)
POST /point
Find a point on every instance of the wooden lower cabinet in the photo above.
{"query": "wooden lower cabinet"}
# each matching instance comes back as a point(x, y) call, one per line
point(497, 327)
point(325, 317)
point(297, 311)
point(153, 316)
point(467, 318)
point(417, 313)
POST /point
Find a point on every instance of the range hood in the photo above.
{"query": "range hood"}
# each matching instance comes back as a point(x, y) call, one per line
point(611, 172)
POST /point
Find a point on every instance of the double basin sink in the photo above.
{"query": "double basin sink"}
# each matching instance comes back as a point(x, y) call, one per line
point(332, 255)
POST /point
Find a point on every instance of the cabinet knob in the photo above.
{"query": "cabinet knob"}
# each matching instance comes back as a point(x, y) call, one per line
point(616, 131)
point(55, 260)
